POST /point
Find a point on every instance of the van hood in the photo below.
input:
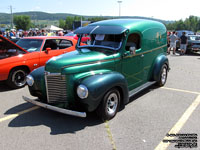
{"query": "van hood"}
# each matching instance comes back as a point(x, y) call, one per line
point(78, 61)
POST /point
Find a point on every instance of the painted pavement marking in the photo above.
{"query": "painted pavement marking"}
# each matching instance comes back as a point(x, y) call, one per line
point(162, 146)
point(110, 135)
point(18, 114)
point(177, 127)
point(179, 90)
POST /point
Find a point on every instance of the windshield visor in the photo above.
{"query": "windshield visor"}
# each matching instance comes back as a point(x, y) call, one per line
point(101, 30)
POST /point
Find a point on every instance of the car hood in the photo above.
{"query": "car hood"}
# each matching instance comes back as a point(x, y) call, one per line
point(9, 48)
point(78, 61)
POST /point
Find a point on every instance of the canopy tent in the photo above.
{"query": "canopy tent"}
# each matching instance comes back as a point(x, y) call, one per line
point(52, 28)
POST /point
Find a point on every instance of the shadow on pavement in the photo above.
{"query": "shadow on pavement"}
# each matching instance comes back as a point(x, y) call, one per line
point(143, 92)
point(140, 94)
point(4, 87)
point(57, 122)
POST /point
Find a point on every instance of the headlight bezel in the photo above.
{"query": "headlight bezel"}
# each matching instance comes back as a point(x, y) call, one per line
point(82, 91)
point(29, 80)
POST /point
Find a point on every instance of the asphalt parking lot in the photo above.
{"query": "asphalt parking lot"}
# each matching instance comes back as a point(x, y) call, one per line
point(143, 124)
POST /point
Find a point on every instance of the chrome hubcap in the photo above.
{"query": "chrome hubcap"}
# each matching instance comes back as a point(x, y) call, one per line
point(19, 78)
point(164, 75)
point(112, 103)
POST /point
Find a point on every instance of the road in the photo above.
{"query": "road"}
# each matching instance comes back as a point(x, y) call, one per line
point(142, 125)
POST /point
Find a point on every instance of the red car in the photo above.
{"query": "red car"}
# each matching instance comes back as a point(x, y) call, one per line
point(17, 60)
point(84, 39)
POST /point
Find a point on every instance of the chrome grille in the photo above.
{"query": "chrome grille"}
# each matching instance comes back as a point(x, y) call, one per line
point(56, 88)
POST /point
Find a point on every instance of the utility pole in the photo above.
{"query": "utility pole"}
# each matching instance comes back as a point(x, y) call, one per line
point(11, 25)
point(119, 2)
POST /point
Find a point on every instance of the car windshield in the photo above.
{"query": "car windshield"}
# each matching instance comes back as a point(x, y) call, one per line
point(194, 38)
point(109, 41)
point(31, 45)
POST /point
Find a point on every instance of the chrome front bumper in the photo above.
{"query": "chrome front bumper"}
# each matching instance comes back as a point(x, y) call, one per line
point(60, 110)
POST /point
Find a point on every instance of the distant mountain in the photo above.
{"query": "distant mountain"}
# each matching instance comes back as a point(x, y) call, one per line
point(35, 15)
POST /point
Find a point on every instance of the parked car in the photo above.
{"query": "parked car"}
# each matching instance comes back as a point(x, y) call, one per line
point(187, 32)
point(124, 57)
point(179, 34)
point(85, 37)
point(17, 60)
point(193, 43)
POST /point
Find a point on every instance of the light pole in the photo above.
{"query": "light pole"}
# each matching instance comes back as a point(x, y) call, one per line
point(119, 2)
point(11, 17)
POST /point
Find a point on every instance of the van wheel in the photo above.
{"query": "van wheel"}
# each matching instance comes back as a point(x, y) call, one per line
point(109, 106)
point(17, 78)
point(163, 75)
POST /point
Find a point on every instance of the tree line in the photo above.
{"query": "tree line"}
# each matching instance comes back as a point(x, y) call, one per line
point(192, 23)
point(67, 24)
point(24, 22)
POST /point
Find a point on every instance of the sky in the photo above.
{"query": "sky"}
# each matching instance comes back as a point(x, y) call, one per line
point(159, 9)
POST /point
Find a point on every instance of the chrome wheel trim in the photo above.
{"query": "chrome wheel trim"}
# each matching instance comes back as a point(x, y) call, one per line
point(164, 75)
point(112, 103)
point(19, 78)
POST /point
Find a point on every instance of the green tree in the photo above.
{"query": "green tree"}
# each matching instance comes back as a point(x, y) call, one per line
point(69, 23)
point(22, 22)
point(62, 23)
point(95, 19)
point(192, 23)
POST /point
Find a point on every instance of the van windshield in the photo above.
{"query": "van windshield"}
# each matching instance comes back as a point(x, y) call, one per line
point(108, 41)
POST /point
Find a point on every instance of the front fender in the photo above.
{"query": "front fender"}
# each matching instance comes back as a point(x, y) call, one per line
point(159, 62)
point(99, 84)
point(38, 89)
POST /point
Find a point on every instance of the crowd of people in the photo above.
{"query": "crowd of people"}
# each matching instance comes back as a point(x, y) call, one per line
point(20, 33)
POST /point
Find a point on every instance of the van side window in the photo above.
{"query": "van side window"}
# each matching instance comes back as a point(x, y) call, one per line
point(133, 40)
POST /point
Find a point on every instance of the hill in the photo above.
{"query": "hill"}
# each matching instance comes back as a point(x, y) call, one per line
point(37, 16)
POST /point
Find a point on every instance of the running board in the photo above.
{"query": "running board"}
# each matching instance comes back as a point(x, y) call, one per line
point(140, 88)
point(60, 110)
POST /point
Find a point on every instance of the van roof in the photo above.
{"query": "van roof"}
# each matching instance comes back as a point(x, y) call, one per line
point(118, 26)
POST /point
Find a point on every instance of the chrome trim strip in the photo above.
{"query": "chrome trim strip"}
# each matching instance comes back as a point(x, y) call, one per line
point(51, 74)
point(140, 88)
point(94, 29)
point(57, 109)
point(45, 78)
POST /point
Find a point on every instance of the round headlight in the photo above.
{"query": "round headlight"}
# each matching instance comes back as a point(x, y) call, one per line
point(29, 80)
point(82, 91)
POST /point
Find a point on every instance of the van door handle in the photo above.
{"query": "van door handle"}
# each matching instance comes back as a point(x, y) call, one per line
point(142, 55)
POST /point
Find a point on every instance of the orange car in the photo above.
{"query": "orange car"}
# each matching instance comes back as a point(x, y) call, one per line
point(17, 60)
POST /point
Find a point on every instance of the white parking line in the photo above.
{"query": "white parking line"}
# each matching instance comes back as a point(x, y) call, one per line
point(179, 90)
point(18, 114)
point(177, 127)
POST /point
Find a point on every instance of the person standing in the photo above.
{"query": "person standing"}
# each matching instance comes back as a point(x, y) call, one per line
point(183, 42)
point(172, 40)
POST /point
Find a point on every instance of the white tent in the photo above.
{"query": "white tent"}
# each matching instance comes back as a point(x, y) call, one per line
point(52, 28)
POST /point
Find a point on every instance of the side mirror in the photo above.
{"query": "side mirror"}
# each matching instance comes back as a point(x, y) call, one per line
point(47, 50)
point(132, 50)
